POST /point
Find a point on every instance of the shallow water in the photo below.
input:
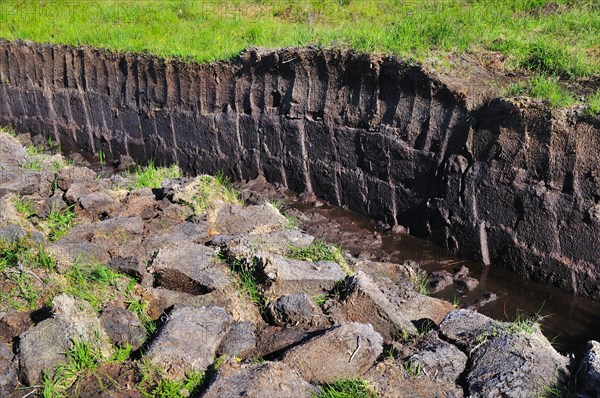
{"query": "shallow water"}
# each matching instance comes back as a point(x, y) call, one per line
point(567, 320)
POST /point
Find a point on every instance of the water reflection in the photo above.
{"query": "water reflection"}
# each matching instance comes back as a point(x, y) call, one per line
point(567, 320)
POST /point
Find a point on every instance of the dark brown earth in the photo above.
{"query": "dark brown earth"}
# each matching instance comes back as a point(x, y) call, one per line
point(508, 182)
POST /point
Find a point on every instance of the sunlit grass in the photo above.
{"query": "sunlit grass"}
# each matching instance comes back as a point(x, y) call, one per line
point(152, 176)
point(531, 33)
point(594, 104)
point(355, 388)
point(209, 191)
point(320, 251)
point(545, 87)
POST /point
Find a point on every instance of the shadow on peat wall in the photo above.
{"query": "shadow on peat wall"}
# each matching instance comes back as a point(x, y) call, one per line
point(518, 187)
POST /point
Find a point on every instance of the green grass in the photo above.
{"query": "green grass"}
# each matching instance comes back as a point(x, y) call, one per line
point(58, 165)
point(528, 324)
point(59, 222)
point(20, 264)
point(247, 280)
point(355, 388)
point(455, 302)
point(210, 190)
point(318, 250)
point(421, 283)
point(175, 388)
point(153, 385)
point(291, 222)
point(413, 369)
point(545, 58)
point(9, 130)
point(82, 359)
point(560, 391)
point(523, 324)
point(545, 87)
point(93, 283)
point(529, 33)
point(152, 176)
point(334, 294)
point(24, 207)
point(121, 354)
point(140, 308)
point(34, 165)
point(594, 104)
point(25, 254)
point(34, 154)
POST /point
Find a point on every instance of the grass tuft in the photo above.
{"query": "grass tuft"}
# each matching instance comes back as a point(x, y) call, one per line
point(34, 154)
point(523, 324)
point(152, 176)
point(82, 359)
point(121, 354)
point(9, 130)
point(24, 253)
point(291, 222)
point(20, 264)
point(544, 87)
point(355, 388)
point(247, 279)
point(560, 391)
point(93, 283)
point(59, 222)
point(140, 308)
point(455, 302)
point(24, 207)
point(546, 58)
point(593, 104)
point(421, 283)
point(413, 369)
point(154, 385)
point(209, 190)
point(318, 250)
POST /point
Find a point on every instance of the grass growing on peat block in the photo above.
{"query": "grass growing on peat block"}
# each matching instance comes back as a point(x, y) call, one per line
point(82, 359)
point(355, 388)
point(212, 190)
point(154, 385)
point(59, 222)
point(152, 176)
point(247, 281)
point(320, 251)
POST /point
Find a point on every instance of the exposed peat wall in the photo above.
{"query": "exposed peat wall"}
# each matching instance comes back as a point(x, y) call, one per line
point(517, 187)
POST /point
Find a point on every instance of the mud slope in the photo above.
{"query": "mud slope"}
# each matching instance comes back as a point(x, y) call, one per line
point(514, 186)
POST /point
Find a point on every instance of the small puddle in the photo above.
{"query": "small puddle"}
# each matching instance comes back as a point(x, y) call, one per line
point(567, 321)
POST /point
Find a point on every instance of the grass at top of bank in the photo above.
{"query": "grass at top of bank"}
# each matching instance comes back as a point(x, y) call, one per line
point(549, 88)
point(558, 37)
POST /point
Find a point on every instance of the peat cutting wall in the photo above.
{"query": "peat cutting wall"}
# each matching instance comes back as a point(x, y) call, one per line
point(516, 186)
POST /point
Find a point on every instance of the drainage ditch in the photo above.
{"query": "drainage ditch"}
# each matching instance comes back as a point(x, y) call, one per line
point(568, 321)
